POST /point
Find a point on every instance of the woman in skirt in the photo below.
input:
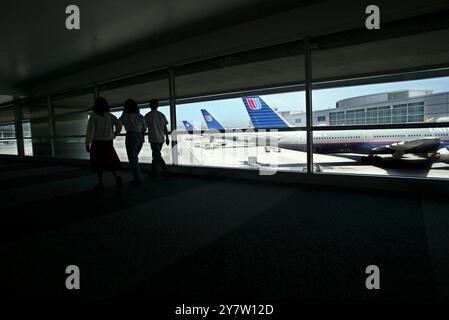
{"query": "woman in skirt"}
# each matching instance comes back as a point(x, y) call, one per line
point(102, 128)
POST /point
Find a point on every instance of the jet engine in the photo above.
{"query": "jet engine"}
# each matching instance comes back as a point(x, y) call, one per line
point(442, 155)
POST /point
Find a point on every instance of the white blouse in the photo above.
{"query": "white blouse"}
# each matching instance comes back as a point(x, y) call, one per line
point(102, 128)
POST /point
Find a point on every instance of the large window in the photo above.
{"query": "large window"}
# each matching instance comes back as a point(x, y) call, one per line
point(236, 111)
point(223, 133)
point(378, 106)
point(390, 151)
point(389, 116)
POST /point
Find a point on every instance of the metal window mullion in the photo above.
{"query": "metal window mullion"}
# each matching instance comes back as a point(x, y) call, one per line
point(18, 117)
point(51, 126)
point(172, 97)
point(309, 115)
point(96, 92)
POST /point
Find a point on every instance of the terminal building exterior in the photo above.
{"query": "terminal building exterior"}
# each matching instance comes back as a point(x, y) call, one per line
point(407, 106)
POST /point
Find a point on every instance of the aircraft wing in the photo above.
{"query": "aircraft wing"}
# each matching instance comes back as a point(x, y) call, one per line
point(414, 146)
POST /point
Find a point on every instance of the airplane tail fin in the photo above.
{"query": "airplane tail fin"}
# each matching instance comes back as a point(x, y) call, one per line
point(262, 115)
point(189, 127)
point(211, 122)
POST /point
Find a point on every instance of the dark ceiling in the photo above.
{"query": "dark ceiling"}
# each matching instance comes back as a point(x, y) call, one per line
point(36, 45)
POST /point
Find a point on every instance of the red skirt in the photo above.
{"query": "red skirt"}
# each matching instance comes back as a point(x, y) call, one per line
point(103, 156)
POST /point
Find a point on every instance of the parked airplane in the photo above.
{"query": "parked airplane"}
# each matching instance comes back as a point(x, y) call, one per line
point(261, 115)
point(211, 122)
point(189, 127)
point(432, 143)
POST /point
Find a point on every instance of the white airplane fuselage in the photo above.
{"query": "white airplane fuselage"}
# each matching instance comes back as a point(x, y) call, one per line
point(369, 142)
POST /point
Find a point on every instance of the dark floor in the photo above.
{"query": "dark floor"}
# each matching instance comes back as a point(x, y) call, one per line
point(198, 238)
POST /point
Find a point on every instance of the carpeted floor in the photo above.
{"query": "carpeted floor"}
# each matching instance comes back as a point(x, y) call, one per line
point(203, 238)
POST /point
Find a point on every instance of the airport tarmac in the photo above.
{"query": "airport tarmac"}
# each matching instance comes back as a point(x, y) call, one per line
point(199, 152)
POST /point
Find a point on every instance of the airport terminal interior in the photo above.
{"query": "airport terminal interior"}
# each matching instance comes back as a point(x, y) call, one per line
point(309, 141)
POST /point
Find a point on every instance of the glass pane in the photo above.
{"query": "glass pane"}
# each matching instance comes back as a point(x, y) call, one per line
point(26, 127)
point(35, 109)
point(263, 151)
point(335, 59)
point(71, 148)
point(73, 102)
point(280, 110)
point(28, 146)
point(8, 142)
point(40, 133)
point(8, 146)
point(265, 68)
point(141, 92)
point(6, 115)
point(7, 131)
point(41, 146)
point(70, 122)
point(393, 152)
point(5, 99)
point(73, 124)
point(145, 154)
point(36, 114)
point(416, 101)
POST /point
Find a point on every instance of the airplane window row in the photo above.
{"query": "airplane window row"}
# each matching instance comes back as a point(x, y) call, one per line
point(336, 138)
point(409, 135)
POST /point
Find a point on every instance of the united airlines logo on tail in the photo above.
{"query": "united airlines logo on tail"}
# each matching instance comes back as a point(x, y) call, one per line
point(254, 103)
point(208, 118)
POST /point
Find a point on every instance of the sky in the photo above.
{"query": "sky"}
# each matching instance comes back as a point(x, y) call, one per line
point(231, 113)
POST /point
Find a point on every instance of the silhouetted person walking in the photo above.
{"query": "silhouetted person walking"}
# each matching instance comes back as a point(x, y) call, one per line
point(135, 126)
point(102, 128)
point(157, 133)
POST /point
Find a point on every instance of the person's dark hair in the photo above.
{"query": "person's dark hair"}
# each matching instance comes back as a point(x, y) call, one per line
point(154, 103)
point(131, 106)
point(101, 106)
